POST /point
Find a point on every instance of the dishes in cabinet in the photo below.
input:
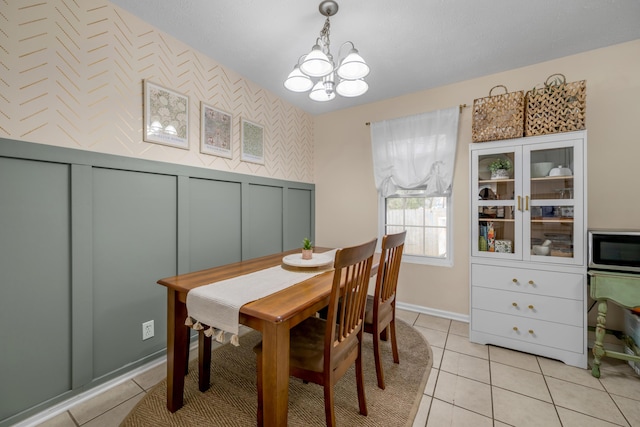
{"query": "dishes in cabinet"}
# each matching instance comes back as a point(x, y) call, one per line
point(560, 171)
point(538, 170)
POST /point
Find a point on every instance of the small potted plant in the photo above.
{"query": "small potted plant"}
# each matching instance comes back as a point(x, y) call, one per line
point(307, 249)
point(500, 168)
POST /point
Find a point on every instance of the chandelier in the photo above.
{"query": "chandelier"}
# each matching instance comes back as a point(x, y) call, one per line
point(317, 71)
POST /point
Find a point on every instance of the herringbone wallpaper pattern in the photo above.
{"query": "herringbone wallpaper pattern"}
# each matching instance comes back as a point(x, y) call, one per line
point(71, 74)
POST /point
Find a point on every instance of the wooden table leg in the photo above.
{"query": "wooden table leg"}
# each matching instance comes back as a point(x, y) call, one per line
point(598, 347)
point(177, 342)
point(275, 373)
point(204, 361)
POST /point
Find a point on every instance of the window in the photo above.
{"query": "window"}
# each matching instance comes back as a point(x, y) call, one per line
point(427, 221)
point(413, 160)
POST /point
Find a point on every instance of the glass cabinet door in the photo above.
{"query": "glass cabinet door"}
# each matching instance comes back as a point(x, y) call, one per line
point(553, 194)
point(495, 228)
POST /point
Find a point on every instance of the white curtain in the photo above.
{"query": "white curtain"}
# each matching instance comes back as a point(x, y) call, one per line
point(416, 152)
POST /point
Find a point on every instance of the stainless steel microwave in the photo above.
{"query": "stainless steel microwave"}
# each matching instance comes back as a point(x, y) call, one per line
point(617, 250)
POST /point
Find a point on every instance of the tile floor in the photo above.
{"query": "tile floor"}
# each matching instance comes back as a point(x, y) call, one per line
point(469, 385)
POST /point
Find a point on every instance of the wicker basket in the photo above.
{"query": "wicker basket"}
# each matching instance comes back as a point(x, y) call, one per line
point(557, 107)
point(498, 117)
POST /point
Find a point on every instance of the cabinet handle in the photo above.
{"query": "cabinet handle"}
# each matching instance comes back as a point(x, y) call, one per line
point(515, 328)
point(519, 207)
point(531, 282)
point(514, 280)
point(531, 307)
point(515, 304)
point(531, 331)
point(526, 203)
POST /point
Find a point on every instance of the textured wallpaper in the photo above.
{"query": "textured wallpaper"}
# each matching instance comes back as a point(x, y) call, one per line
point(71, 75)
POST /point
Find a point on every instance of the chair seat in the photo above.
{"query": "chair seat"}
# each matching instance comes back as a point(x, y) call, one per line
point(307, 346)
point(385, 310)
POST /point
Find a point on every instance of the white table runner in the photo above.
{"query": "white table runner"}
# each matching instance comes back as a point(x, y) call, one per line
point(218, 304)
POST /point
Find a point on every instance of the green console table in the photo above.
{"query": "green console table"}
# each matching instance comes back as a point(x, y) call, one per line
point(624, 290)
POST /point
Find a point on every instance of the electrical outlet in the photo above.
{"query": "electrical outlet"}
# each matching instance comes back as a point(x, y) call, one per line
point(147, 330)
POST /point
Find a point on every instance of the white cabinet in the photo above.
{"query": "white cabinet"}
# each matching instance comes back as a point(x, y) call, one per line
point(528, 254)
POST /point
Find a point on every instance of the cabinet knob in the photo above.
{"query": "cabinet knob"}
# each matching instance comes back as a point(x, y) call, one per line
point(514, 280)
point(531, 307)
point(531, 282)
point(515, 328)
point(531, 331)
point(515, 304)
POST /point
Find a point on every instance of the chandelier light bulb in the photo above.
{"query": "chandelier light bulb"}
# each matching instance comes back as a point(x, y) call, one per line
point(353, 66)
point(297, 81)
point(352, 88)
point(320, 93)
point(316, 64)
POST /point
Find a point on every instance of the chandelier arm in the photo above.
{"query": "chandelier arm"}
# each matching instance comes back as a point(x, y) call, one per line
point(353, 46)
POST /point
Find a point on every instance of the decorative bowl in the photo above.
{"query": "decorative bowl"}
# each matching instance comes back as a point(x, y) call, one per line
point(538, 170)
point(541, 250)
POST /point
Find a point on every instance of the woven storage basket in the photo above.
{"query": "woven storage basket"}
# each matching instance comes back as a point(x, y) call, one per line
point(498, 117)
point(557, 107)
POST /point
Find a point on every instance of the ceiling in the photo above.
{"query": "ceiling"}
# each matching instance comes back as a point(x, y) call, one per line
point(410, 45)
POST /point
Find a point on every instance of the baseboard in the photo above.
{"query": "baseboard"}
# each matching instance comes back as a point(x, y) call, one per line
point(433, 312)
point(64, 406)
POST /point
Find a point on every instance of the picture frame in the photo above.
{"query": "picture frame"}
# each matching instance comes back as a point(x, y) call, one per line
point(252, 142)
point(216, 130)
point(166, 116)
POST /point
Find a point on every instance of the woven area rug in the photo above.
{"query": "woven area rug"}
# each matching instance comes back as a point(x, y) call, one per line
point(231, 400)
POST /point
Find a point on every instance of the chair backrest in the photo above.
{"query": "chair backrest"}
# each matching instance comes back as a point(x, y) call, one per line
point(349, 292)
point(389, 268)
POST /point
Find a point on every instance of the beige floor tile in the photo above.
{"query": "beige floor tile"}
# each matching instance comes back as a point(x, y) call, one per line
point(463, 345)
point(562, 371)
point(446, 414)
point(436, 338)
point(409, 317)
point(575, 419)
point(433, 322)
point(60, 420)
point(466, 366)
point(463, 392)
point(431, 382)
point(621, 384)
point(630, 408)
point(522, 411)
point(459, 328)
point(585, 400)
point(423, 412)
point(150, 378)
point(514, 358)
point(500, 424)
point(437, 356)
point(519, 381)
point(100, 404)
point(115, 416)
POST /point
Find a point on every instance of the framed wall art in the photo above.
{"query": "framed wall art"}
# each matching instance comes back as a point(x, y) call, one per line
point(166, 116)
point(252, 137)
point(215, 131)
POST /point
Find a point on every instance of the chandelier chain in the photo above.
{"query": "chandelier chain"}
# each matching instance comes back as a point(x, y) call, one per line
point(324, 34)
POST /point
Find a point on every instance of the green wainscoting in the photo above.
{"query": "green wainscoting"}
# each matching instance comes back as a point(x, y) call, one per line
point(83, 239)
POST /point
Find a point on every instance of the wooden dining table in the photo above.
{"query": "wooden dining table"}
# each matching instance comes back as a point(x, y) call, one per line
point(273, 315)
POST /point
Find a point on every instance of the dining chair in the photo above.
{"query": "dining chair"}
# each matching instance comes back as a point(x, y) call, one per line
point(322, 350)
point(380, 313)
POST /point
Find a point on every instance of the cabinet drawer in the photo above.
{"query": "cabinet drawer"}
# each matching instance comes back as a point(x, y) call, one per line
point(551, 309)
point(564, 337)
point(551, 283)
